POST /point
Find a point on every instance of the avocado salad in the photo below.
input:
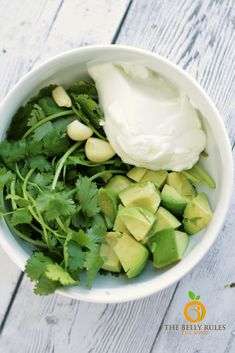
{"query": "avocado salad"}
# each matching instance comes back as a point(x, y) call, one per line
point(66, 193)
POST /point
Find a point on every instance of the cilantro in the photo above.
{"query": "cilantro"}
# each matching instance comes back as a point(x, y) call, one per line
point(54, 204)
point(84, 87)
point(73, 256)
point(48, 106)
point(87, 196)
point(36, 114)
point(42, 131)
point(88, 109)
point(37, 265)
point(93, 264)
point(45, 286)
point(39, 162)
point(56, 273)
point(21, 216)
point(55, 145)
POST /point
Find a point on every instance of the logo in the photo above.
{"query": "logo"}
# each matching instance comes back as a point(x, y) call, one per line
point(195, 310)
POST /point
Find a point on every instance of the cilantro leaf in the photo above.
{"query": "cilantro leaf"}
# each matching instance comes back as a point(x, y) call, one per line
point(55, 272)
point(98, 229)
point(45, 286)
point(42, 131)
point(37, 265)
point(19, 121)
point(5, 177)
point(21, 216)
point(88, 109)
point(36, 114)
point(93, 264)
point(73, 256)
point(54, 144)
point(12, 152)
point(84, 87)
point(87, 196)
point(49, 107)
point(54, 204)
point(39, 162)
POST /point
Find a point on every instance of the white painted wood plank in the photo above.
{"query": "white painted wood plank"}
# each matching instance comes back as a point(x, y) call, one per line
point(21, 24)
point(25, 35)
point(57, 324)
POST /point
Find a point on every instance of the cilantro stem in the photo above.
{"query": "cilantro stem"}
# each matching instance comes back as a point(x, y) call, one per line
point(88, 124)
point(206, 177)
point(12, 188)
point(61, 163)
point(191, 176)
point(108, 171)
point(45, 120)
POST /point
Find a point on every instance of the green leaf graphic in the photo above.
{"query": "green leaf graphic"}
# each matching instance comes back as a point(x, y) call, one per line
point(197, 297)
point(191, 295)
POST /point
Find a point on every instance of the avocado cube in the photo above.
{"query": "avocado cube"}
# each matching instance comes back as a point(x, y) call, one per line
point(197, 214)
point(182, 185)
point(165, 219)
point(168, 247)
point(138, 221)
point(118, 183)
point(157, 177)
point(136, 173)
point(108, 202)
point(143, 194)
point(132, 255)
point(111, 261)
point(173, 201)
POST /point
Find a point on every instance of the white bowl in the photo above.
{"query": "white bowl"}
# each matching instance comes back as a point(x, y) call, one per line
point(71, 66)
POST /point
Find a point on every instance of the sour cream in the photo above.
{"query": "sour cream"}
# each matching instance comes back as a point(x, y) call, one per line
point(148, 121)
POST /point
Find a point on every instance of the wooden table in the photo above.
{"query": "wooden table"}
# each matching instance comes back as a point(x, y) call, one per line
point(197, 35)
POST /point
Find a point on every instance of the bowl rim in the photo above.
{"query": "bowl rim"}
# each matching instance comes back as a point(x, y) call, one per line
point(174, 274)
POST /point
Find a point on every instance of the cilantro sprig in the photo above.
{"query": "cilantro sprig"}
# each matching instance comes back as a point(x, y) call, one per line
point(48, 188)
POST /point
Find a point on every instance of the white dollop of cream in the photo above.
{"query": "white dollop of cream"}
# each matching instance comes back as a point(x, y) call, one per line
point(148, 121)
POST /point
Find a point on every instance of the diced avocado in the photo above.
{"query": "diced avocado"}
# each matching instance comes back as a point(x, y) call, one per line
point(143, 194)
point(172, 200)
point(111, 261)
point(119, 225)
point(167, 246)
point(132, 255)
point(118, 183)
point(157, 177)
point(136, 173)
point(197, 214)
point(108, 202)
point(181, 184)
point(165, 219)
point(138, 221)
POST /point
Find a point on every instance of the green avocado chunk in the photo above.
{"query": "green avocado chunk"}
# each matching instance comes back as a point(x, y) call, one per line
point(108, 202)
point(182, 185)
point(157, 177)
point(165, 219)
point(168, 247)
point(118, 183)
point(111, 261)
point(132, 255)
point(197, 214)
point(138, 221)
point(173, 201)
point(136, 173)
point(143, 194)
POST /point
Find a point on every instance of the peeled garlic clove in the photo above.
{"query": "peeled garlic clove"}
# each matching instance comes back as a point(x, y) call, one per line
point(78, 131)
point(61, 97)
point(98, 150)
